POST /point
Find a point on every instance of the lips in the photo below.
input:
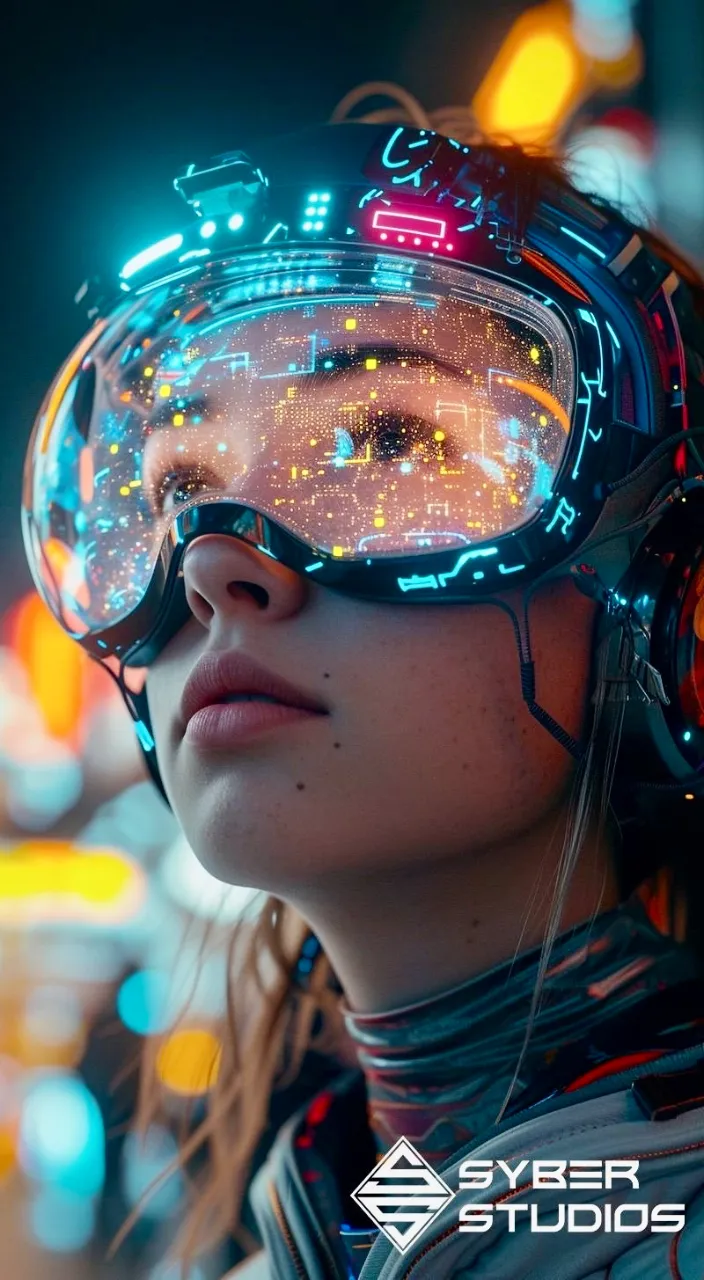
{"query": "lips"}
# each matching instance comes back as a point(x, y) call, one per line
point(221, 677)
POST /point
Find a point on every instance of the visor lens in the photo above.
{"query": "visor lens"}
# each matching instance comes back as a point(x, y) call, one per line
point(372, 407)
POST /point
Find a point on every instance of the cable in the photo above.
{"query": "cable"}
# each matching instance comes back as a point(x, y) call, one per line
point(458, 122)
point(386, 89)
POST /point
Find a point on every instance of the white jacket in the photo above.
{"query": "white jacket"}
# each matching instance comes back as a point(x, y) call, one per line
point(602, 1121)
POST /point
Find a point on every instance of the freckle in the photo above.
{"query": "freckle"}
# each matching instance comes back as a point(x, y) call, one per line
point(475, 923)
point(300, 786)
point(336, 744)
point(326, 675)
point(465, 767)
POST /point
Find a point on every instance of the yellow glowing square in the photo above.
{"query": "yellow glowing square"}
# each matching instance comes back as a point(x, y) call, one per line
point(371, 363)
point(165, 390)
point(379, 522)
point(350, 323)
point(337, 551)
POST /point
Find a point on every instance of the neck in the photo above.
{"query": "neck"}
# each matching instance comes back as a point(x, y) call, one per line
point(400, 937)
point(438, 1071)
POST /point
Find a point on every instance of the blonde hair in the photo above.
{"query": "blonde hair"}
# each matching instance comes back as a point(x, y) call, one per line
point(273, 1017)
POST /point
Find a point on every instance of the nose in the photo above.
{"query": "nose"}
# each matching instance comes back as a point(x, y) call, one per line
point(224, 576)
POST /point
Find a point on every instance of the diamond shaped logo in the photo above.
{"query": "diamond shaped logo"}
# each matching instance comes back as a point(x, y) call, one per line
point(402, 1195)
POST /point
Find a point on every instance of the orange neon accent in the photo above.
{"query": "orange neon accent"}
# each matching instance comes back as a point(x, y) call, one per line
point(64, 378)
point(554, 273)
point(54, 665)
point(85, 474)
point(547, 400)
point(615, 1065)
point(194, 311)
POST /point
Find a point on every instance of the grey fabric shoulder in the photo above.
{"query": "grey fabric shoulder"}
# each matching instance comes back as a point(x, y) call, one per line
point(254, 1268)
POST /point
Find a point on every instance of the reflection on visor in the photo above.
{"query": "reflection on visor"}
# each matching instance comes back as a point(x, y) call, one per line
point(367, 420)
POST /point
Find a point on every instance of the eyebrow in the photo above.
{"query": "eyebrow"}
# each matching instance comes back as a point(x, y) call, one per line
point(336, 360)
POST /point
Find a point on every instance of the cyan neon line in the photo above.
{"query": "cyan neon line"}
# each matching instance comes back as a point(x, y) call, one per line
point(151, 254)
point(393, 164)
point(614, 339)
point(591, 319)
point(588, 403)
point(580, 240)
point(369, 195)
point(270, 234)
point(567, 513)
point(310, 568)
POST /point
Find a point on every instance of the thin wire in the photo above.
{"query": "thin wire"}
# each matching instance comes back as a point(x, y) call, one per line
point(386, 89)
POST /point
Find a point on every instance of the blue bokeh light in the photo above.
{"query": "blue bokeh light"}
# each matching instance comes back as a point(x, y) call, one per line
point(60, 1220)
point(62, 1135)
point(142, 1001)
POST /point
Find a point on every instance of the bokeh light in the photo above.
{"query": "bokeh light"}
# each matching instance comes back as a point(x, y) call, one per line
point(61, 1221)
point(143, 1002)
point(62, 1136)
point(144, 1158)
point(189, 1061)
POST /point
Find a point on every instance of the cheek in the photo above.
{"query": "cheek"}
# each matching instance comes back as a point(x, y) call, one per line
point(447, 737)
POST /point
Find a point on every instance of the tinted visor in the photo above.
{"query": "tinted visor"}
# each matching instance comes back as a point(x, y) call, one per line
point(374, 406)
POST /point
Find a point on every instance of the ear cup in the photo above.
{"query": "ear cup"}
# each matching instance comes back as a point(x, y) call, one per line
point(655, 654)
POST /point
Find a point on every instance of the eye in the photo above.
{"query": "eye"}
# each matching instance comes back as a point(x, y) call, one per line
point(396, 435)
point(177, 487)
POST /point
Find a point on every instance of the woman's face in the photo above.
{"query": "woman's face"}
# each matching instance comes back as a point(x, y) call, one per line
point(427, 750)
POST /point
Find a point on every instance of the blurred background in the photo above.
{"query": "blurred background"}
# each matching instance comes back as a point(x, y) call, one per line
point(102, 903)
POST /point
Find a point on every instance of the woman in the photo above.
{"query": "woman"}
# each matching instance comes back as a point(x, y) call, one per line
point(381, 372)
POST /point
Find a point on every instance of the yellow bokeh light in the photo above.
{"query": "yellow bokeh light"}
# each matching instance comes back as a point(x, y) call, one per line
point(536, 80)
point(165, 390)
point(543, 420)
point(338, 551)
point(371, 362)
point(55, 880)
point(534, 354)
point(125, 490)
point(379, 522)
point(313, 442)
point(178, 419)
point(350, 323)
point(439, 435)
point(149, 372)
point(114, 448)
point(189, 1061)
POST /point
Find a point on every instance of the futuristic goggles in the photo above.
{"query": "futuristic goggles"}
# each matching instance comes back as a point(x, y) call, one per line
point(369, 359)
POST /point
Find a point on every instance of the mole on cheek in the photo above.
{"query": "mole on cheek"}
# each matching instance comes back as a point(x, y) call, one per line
point(336, 744)
point(300, 786)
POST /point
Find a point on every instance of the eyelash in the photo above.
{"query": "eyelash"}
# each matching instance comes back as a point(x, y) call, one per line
point(409, 424)
point(167, 484)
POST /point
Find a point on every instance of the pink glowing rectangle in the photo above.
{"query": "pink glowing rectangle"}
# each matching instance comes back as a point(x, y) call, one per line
point(414, 224)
